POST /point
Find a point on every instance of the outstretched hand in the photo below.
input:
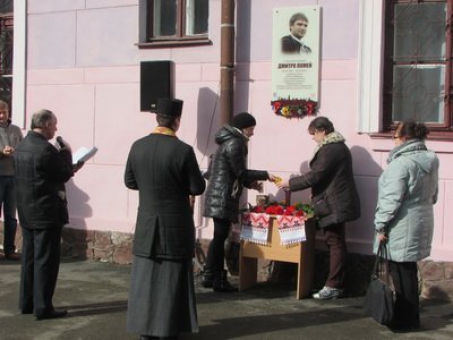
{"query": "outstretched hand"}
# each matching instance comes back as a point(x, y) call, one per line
point(282, 184)
point(273, 178)
point(257, 186)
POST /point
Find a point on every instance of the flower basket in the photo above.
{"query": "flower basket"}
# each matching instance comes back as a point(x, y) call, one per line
point(255, 227)
point(290, 218)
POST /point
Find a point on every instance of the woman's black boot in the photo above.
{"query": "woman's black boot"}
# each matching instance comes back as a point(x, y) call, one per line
point(208, 278)
point(221, 284)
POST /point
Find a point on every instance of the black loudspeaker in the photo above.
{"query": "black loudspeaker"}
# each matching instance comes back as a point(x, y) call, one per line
point(156, 81)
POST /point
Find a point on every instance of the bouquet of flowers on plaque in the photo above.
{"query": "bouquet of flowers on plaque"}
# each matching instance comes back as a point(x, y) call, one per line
point(294, 108)
point(290, 218)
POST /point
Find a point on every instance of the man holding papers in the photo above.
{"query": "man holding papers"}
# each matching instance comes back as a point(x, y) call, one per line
point(83, 154)
point(41, 174)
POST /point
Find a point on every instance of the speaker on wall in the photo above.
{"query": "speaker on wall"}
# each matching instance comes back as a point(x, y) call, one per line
point(156, 81)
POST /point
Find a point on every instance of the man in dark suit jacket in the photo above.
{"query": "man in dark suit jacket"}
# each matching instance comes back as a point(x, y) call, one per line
point(165, 172)
point(41, 174)
point(292, 43)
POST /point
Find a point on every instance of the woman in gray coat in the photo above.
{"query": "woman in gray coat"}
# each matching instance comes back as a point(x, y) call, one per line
point(404, 216)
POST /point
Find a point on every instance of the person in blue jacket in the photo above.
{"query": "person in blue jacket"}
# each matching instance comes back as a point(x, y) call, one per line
point(404, 217)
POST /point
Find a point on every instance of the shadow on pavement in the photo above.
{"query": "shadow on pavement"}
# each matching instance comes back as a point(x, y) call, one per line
point(97, 308)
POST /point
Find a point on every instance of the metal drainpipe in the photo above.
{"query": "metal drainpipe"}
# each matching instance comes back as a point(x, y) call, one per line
point(227, 62)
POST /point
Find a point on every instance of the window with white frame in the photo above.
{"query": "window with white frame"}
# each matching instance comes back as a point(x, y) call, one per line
point(173, 22)
point(417, 63)
point(406, 66)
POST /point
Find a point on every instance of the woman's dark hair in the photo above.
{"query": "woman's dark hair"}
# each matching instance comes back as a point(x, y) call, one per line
point(411, 130)
point(320, 124)
point(165, 120)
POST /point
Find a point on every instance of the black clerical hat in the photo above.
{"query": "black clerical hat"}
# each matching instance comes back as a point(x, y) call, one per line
point(170, 107)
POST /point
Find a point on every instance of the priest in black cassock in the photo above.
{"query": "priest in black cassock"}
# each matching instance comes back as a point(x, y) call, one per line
point(165, 172)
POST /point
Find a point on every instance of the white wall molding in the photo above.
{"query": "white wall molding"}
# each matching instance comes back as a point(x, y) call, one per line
point(19, 62)
point(371, 46)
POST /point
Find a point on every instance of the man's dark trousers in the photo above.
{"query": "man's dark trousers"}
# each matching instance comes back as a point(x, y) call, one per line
point(40, 267)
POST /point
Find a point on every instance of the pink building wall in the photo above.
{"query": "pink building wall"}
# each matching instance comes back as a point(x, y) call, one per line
point(83, 64)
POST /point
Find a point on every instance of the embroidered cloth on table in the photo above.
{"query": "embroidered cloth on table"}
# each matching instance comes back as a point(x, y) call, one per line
point(255, 227)
point(291, 229)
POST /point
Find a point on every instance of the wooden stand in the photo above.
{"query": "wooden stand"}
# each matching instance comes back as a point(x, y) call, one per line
point(300, 253)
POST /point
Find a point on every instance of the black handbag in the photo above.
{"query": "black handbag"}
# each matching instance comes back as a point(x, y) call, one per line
point(379, 302)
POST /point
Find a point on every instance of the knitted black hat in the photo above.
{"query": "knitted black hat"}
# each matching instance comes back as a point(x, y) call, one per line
point(243, 120)
point(170, 107)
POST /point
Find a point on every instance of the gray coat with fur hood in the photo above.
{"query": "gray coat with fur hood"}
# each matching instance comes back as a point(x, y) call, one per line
point(406, 194)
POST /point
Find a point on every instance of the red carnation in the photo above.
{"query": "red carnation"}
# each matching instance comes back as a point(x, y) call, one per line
point(311, 107)
point(274, 210)
point(289, 210)
point(258, 209)
point(277, 106)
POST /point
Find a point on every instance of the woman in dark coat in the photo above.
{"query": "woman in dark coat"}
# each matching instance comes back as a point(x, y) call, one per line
point(334, 197)
point(227, 176)
point(165, 172)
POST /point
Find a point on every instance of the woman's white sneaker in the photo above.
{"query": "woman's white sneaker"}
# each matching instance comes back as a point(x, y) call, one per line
point(328, 293)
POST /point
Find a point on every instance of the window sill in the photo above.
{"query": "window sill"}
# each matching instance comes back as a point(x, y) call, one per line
point(433, 135)
point(436, 141)
point(174, 43)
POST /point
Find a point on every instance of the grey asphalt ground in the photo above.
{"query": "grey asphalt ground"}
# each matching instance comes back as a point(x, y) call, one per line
point(96, 296)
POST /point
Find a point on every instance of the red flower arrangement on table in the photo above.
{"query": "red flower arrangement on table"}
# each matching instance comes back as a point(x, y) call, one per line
point(276, 208)
point(294, 108)
point(290, 218)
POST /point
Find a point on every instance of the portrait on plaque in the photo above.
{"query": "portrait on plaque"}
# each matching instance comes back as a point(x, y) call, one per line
point(295, 61)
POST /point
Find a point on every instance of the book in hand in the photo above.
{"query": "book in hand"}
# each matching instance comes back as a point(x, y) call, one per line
point(83, 154)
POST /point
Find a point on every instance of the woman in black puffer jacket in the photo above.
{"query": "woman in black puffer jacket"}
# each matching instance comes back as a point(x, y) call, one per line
point(227, 175)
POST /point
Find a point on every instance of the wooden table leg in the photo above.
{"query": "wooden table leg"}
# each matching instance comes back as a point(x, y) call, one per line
point(304, 278)
point(248, 268)
point(305, 268)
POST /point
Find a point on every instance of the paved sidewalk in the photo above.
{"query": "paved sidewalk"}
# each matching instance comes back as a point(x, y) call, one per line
point(96, 296)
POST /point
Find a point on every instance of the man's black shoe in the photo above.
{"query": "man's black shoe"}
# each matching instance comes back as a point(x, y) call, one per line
point(221, 284)
point(12, 256)
point(26, 311)
point(207, 279)
point(56, 313)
